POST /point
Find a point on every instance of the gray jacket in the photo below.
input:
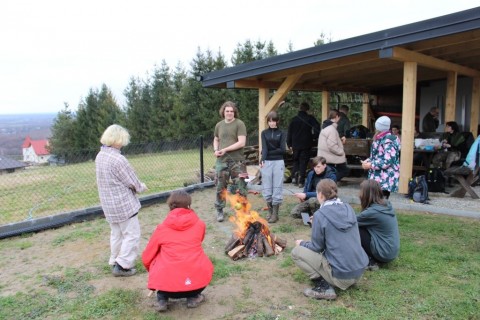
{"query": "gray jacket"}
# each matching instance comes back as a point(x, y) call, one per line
point(381, 223)
point(335, 234)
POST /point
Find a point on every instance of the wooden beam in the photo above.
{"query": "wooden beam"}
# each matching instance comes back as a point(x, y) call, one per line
point(405, 55)
point(451, 96)
point(408, 124)
point(263, 95)
point(265, 105)
point(475, 107)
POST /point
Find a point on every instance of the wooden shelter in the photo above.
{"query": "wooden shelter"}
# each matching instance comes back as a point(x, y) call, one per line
point(443, 48)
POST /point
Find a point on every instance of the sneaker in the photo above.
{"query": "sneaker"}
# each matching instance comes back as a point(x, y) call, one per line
point(301, 185)
point(220, 215)
point(195, 301)
point(322, 290)
point(119, 271)
point(372, 265)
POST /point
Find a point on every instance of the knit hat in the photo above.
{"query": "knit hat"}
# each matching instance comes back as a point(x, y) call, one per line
point(383, 123)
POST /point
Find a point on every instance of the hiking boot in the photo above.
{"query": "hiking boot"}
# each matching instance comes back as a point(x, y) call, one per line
point(162, 303)
point(270, 209)
point(322, 290)
point(220, 215)
point(372, 265)
point(274, 216)
point(195, 301)
point(119, 271)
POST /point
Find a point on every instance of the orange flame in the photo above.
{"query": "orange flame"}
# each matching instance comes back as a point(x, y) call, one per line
point(244, 216)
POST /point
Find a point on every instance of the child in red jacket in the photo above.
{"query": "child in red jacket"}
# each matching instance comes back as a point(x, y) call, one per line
point(174, 258)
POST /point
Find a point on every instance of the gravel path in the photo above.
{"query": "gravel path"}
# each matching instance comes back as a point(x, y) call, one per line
point(440, 203)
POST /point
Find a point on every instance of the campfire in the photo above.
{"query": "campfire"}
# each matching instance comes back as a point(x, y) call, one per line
point(252, 237)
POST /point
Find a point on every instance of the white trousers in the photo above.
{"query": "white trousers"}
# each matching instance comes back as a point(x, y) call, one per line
point(124, 242)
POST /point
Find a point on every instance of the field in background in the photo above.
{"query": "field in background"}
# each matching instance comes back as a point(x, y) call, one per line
point(40, 191)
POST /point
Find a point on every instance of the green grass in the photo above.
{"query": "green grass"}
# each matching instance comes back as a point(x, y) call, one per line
point(436, 276)
point(42, 191)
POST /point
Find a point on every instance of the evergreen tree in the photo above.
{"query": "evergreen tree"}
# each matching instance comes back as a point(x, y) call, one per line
point(62, 140)
point(137, 110)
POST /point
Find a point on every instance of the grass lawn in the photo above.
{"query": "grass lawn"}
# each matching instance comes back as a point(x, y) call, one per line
point(63, 274)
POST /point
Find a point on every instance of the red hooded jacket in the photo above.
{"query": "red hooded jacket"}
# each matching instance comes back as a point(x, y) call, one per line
point(174, 257)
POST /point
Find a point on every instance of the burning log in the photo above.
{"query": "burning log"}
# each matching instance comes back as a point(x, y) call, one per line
point(268, 249)
point(252, 237)
point(232, 243)
point(237, 252)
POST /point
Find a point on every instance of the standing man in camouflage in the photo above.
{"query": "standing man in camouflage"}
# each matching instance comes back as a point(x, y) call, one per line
point(229, 139)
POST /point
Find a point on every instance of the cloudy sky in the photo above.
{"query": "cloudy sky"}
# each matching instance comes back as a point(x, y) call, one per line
point(54, 51)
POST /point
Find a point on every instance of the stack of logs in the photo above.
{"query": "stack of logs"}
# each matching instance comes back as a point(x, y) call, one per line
point(258, 241)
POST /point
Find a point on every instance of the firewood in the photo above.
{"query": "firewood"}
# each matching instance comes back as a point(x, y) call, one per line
point(268, 249)
point(236, 252)
point(282, 243)
point(232, 243)
point(260, 249)
point(278, 249)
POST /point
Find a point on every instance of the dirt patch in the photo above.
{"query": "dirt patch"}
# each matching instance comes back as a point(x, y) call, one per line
point(265, 285)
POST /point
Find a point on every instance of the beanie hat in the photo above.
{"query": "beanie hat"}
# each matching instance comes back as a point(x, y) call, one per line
point(383, 123)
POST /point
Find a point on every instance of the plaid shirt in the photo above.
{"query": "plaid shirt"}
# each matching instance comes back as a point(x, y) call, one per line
point(117, 185)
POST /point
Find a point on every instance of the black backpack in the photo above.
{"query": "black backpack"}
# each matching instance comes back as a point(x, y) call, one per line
point(418, 189)
point(436, 180)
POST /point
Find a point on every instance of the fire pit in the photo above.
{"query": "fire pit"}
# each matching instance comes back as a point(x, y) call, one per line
point(252, 237)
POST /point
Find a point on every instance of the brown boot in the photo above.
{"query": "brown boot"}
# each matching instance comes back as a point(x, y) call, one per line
point(270, 210)
point(274, 217)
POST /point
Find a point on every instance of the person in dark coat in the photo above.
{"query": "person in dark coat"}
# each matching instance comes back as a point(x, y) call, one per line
point(430, 122)
point(343, 124)
point(301, 132)
point(377, 225)
point(309, 202)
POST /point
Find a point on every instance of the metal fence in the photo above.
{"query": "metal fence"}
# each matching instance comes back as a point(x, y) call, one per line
point(44, 190)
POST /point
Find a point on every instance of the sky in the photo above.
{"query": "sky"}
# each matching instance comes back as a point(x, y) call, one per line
point(54, 51)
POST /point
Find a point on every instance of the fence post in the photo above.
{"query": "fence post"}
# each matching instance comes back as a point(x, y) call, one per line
point(202, 180)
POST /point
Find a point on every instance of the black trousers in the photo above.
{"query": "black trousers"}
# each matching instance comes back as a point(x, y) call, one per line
point(365, 238)
point(163, 295)
point(300, 162)
point(341, 168)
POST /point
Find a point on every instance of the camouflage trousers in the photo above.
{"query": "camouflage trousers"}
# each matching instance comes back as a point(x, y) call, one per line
point(232, 174)
point(310, 206)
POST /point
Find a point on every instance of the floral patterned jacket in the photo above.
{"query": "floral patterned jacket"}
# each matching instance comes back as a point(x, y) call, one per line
point(385, 159)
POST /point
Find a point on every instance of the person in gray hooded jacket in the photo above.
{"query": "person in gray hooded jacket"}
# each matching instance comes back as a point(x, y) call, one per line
point(378, 225)
point(334, 256)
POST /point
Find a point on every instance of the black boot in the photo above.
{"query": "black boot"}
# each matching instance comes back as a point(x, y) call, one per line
point(321, 290)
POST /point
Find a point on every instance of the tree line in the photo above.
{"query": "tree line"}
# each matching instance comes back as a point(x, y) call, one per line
point(169, 104)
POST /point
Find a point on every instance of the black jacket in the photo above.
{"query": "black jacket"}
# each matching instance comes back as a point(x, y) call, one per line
point(302, 130)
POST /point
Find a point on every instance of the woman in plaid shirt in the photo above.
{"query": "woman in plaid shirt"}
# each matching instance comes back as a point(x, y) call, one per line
point(117, 188)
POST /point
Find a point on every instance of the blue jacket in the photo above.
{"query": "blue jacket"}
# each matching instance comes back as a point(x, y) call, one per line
point(381, 223)
point(310, 189)
point(471, 160)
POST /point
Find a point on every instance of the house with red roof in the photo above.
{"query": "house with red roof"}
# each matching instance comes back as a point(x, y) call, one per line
point(35, 151)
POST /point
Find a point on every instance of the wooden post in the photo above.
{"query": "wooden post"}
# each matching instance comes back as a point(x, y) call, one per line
point(451, 96)
point(262, 114)
point(475, 107)
point(408, 123)
point(365, 113)
point(325, 106)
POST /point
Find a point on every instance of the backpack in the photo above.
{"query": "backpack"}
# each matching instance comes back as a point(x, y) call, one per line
point(436, 180)
point(418, 189)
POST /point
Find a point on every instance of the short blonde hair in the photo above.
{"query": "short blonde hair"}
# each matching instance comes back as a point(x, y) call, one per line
point(115, 135)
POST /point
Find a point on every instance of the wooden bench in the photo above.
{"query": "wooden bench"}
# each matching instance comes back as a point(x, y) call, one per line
point(355, 151)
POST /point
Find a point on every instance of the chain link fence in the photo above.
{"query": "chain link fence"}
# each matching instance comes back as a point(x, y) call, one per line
point(44, 190)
